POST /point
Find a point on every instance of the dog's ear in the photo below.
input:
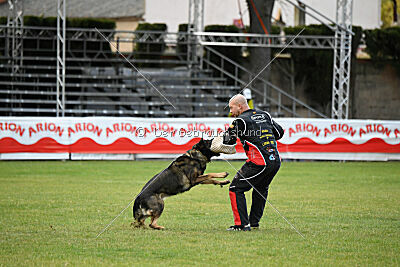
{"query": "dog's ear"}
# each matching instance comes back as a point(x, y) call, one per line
point(199, 144)
point(202, 143)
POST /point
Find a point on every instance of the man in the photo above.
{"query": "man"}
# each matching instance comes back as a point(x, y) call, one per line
point(258, 133)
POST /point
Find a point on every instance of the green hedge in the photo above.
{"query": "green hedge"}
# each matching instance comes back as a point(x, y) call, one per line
point(144, 51)
point(310, 30)
point(274, 29)
point(71, 22)
point(181, 48)
point(383, 44)
point(183, 27)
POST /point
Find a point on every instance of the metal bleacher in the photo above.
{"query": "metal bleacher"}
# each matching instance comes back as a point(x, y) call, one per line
point(99, 81)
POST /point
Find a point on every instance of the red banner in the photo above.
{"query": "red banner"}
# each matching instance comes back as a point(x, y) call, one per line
point(139, 135)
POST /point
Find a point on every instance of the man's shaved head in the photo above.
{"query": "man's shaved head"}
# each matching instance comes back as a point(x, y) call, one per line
point(238, 104)
point(238, 99)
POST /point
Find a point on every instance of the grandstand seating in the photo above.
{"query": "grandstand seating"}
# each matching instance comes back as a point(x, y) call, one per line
point(113, 90)
point(100, 81)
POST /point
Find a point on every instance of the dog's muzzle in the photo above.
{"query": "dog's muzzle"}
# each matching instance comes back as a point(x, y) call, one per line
point(218, 146)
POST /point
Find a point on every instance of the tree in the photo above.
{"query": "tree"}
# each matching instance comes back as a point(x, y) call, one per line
point(260, 21)
point(395, 20)
point(389, 12)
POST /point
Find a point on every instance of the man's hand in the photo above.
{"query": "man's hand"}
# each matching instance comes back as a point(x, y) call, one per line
point(229, 139)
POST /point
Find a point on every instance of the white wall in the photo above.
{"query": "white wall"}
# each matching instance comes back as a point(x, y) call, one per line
point(366, 13)
point(175, 12)
point(172, 12)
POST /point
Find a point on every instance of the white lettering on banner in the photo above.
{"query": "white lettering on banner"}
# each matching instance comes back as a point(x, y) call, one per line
point(163, 127)
point(201, 127)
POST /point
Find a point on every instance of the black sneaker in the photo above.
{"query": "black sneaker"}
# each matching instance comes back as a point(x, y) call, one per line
point(254, 226)
point(239, 228)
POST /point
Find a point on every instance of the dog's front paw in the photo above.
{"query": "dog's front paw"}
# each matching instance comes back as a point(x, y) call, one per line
point(226, 174)
point(137, 225)
point(222, 183)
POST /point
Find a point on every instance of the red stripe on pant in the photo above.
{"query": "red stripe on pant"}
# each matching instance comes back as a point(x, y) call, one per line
point(236, 216)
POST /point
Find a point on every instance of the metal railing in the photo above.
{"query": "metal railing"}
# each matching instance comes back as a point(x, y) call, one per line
point(238, 69)
point(88, 43)
point(176, 38)
point(86, 47)
point(262, 40)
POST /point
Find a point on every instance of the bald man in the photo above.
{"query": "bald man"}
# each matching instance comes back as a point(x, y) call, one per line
point(258, 133)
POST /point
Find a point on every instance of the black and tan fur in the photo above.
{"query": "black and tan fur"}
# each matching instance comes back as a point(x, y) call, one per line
point(181, 175)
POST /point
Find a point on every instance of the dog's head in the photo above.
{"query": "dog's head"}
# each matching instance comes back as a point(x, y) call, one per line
point(204, 147)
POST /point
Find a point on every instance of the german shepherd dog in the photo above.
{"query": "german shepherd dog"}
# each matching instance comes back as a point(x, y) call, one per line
point(181, 175)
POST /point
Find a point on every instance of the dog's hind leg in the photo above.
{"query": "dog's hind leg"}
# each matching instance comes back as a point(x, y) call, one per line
point(153, 223)
point(156, 205)
point(138, 223)
point(141, 222)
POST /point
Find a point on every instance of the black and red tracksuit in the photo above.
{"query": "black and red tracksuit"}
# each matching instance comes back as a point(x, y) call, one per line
point(258, 133)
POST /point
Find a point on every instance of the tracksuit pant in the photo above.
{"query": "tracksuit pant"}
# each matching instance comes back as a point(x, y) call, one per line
point(249, 176)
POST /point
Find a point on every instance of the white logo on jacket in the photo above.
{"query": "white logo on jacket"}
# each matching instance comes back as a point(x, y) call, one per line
point(258, 118)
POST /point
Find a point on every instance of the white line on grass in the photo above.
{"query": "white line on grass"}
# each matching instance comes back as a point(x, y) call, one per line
point(115, 218)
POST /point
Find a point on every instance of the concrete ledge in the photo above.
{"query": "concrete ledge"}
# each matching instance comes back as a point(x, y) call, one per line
point(95, 156)
point(342, 156)
point(237, 156)
point(34, 156)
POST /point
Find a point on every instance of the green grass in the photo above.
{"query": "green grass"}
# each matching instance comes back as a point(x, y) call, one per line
point(51, 213)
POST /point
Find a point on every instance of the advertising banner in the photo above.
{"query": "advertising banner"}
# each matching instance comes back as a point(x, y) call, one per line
point(176, 135)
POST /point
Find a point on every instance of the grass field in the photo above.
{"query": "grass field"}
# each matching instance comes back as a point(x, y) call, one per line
point(51, 213)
